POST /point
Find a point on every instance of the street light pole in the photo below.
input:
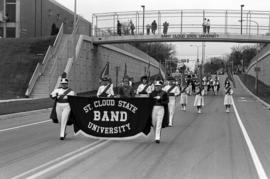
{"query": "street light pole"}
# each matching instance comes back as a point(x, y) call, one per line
point(143, 17)
point(257, 24)
point(242, 5)
point(198, 46)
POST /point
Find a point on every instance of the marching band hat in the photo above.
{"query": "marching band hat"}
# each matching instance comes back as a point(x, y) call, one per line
point(126, 77)
point(143, 77)
point(64, 81)
point(158, 83)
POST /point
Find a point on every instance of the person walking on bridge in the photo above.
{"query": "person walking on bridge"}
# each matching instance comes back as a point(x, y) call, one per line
point(204, 25)
point(154, 27)
point(148, 27)
point(119, 27)
point(132, 27)
point(208, 26)
point(61, 107)
point(165, 27)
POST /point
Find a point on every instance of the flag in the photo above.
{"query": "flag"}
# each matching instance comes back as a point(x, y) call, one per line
point(125, 70)
point(162, 74)
point(105, 71)
point(148, 71)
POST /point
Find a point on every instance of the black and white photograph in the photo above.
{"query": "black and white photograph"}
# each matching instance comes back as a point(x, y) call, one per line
point(145, 89)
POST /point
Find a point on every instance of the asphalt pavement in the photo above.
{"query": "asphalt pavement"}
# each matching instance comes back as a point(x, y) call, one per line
point(207, 145)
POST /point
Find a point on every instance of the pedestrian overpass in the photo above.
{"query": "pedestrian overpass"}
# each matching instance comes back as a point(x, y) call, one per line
point(184, 26)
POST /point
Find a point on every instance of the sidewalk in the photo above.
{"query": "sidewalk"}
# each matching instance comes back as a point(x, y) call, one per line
point(263, 90)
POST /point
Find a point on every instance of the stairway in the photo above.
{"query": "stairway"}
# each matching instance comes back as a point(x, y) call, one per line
point(56, 64)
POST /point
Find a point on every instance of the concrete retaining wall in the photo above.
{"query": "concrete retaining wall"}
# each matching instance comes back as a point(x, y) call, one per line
point(262, 60)
point(85, 70)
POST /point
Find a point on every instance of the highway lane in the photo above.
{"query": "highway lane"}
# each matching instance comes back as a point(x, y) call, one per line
point(28, 147)
point(207, 145)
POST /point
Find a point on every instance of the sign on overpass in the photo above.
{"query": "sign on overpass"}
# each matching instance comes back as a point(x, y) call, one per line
point(186, 37)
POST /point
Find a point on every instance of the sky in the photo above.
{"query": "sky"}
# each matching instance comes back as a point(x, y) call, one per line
point(87, 7)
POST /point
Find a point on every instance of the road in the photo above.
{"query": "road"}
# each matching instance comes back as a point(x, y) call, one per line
point(207, 145)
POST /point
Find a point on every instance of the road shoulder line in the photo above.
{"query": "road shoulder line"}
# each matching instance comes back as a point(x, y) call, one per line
point(258, 165)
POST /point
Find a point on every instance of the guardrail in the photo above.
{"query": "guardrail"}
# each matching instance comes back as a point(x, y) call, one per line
point(182, 21)
point(70, 61)
point(40, 68)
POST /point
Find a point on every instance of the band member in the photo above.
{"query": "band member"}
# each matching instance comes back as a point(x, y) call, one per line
point(159, 110)
point(106, 88)
point(183, 98)
point(211, 86)
point(228, 97)
point(144, 89)
point(216, 86)
point(199, 99)
point(172, 90)
point(126, 91)
point(62, 107)
point(205, 84)
point(227, 83)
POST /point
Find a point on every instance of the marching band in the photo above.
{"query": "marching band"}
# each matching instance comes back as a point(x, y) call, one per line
point(164, 94)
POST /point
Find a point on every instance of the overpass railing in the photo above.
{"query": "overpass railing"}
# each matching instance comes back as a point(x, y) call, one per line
point(182, 21)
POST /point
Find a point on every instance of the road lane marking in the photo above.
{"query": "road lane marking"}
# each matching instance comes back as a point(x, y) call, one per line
point(26, 125)
point(258, 165)
point(53, 164)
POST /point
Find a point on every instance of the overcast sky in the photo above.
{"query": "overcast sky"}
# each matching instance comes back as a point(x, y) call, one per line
point(86, 7)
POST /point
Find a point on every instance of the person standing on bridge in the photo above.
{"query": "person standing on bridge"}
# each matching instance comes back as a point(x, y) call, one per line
point(119, 28)
point(172, 91)
point(62, 107)
point(159, 117)
point(148, 27)
point(132, 27)
point(154, 27)
point(208, 26)
point(228, 97)
point(165, 27)
point(204, 25)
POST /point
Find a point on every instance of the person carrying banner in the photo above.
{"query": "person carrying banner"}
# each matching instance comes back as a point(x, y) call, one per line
point(183, 98)
point(62, 107)
point(228, 97)
point(199, 99)
point(106, 89)
point(144, 89)
point(126, 91)
point(172, 90)
point(159, 117)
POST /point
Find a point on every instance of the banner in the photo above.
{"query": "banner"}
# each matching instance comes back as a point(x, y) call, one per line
point(111, 117)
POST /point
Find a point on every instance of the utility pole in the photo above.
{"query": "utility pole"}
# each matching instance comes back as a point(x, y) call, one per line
point(143, 6)
point(242, 5)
